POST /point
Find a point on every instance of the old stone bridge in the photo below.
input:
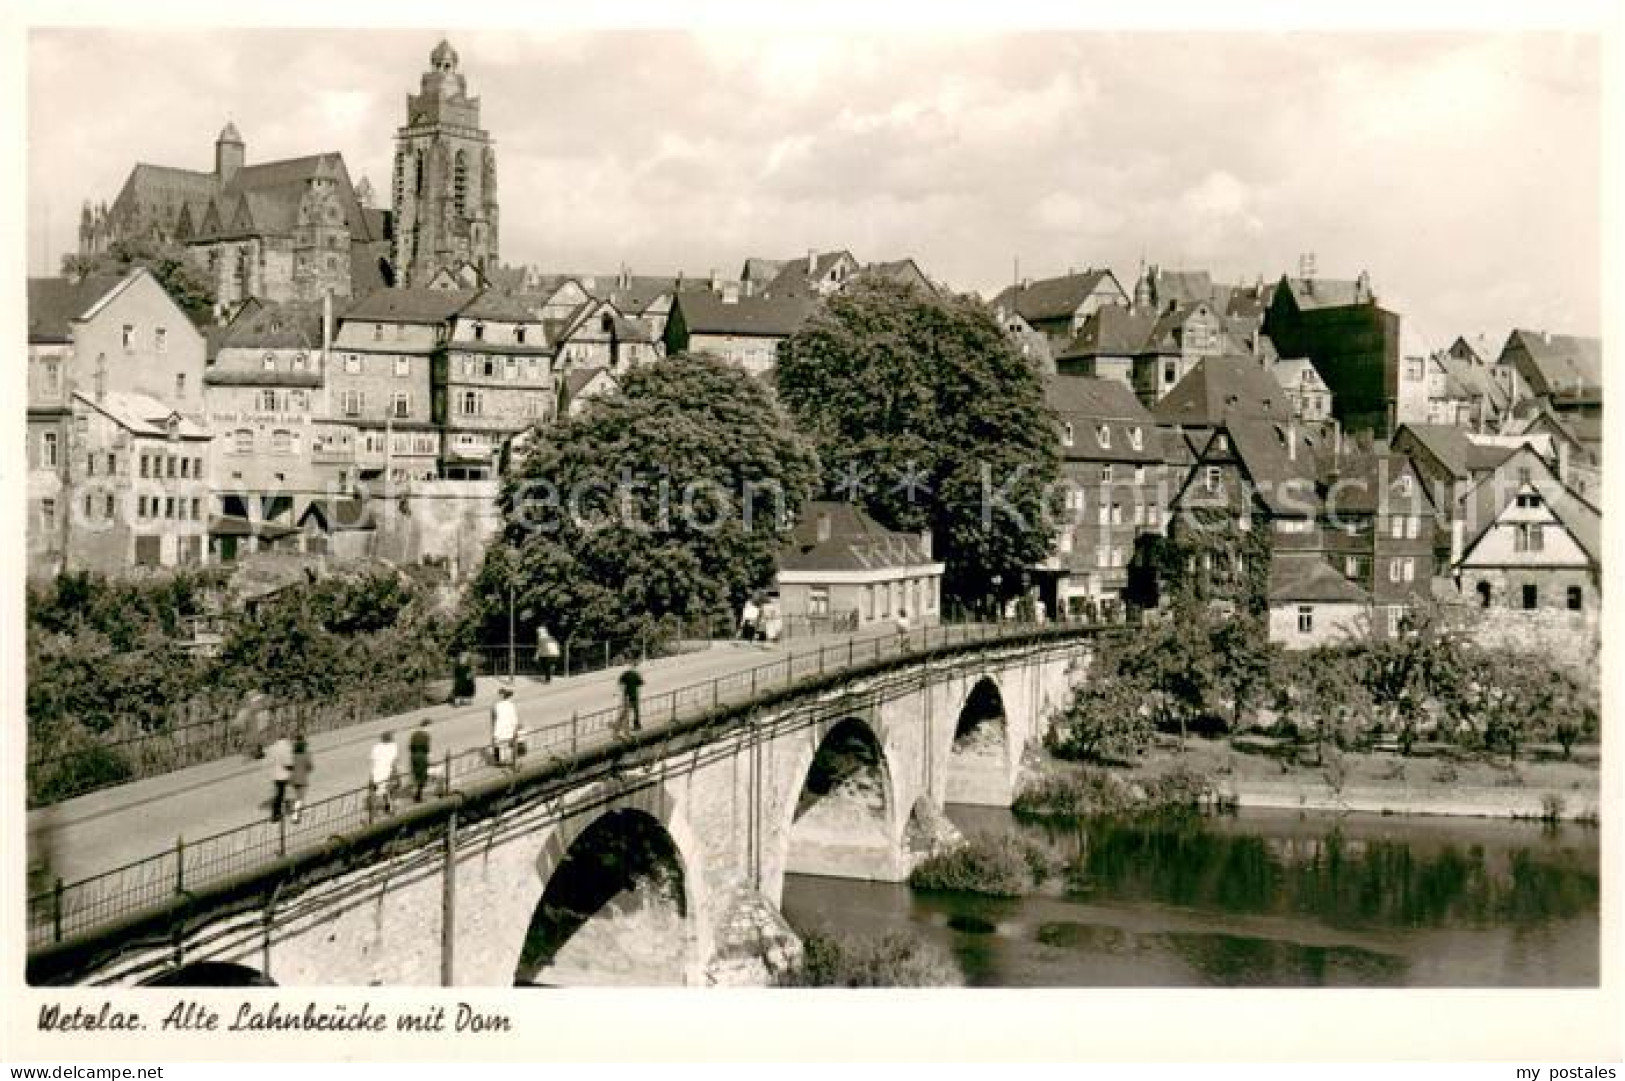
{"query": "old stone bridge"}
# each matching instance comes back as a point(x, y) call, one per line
point(660, 863)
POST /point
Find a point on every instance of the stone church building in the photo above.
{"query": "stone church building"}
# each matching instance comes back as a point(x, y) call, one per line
point(298, 229)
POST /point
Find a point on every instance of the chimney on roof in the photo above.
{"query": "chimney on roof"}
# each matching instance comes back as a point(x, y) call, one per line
point(812, 260)
point(1025, 282)
point(730, 293)
point(925, 543)
point(716, 283)
point(823, 526)
point(1362, 287)
point(1292, 440)
point(625, 279)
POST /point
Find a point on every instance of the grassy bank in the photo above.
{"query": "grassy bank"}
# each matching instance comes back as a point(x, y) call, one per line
point(1255, 773)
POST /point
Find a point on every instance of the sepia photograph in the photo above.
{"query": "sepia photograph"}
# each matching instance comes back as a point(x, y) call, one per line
point(682, 507)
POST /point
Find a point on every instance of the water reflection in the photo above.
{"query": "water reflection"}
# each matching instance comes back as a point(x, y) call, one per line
point(1261, 899)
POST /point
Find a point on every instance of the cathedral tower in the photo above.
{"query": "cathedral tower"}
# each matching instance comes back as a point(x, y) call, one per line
point(445, 192)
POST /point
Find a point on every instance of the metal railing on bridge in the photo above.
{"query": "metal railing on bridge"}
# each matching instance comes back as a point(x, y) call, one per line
point(68, 910)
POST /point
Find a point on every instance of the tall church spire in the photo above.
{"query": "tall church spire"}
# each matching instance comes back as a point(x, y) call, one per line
point(445, 178)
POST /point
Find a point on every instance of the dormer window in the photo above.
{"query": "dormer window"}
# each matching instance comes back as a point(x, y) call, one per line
point(1103, 435)
point(378, 332)
point(1066, 435)
point(1221, 443)
point(268, 362)
point(1136, 438)
point(519, 335)
point(479, 332)
point(1405, 485)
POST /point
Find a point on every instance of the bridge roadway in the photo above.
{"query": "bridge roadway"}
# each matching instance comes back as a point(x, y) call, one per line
point(97, 832)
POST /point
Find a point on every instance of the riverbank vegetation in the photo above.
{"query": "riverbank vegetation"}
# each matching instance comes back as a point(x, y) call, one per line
point(995, 864)
point(1194, 672)
point(122, 683)
point(893, 959)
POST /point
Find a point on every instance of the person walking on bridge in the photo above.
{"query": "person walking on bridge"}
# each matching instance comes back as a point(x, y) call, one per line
point(418, 755)
point(504, 727)
point(381, 782)
point(299, 776)
point(279, 756)
point(547, 652)
point(631, 684)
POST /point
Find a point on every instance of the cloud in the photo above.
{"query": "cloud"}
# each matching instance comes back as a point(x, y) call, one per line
point(1409, 155)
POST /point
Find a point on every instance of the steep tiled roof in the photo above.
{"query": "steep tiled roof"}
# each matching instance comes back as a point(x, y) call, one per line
point(54, 303)
point(760, 270)
point(1560, 361)
point(855, 542)
point(1281, 460)
point(1308, 577)
point(1090, 404)
point(1182, 286)
point(1326, 293)
point(495, 304)
point(1373, 484)
point(1219, 388)
point(141, 414)
point(1052, 298)
point(264, 325)
point(1112, 331)
point(409, 305)
point(795, 279)
point(1299, 373)
point(366, 269)
point(758, 316)
point(577, 379)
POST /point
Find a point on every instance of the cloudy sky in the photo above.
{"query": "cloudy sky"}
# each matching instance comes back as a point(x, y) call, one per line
point(1461, 170)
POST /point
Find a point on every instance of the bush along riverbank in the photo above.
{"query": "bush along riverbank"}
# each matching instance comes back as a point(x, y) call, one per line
point(1084, 791)
point(894, 959)
point(993, 864)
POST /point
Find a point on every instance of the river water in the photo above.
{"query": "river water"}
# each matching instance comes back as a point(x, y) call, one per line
point(1258, 899)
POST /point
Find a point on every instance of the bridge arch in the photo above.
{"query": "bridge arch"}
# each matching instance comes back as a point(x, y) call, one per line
point(842, 807)
point(621, 896)
point(982, 748)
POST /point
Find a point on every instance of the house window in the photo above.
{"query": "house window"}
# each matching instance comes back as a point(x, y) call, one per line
point(479, 332)
point(1210, 479)
point(112, 463)
point(402, 405)
point(268, 362)
point(378, 332)
point(1103, 435)
point(868, 602)
point(1136, 438)
point(1396, 618)
point(1405, 485)
point(1170, 372)
point(1531, 596)
point(169, 467)
point(299, 362)
point(818, 601)
point(1483, 594)
point(519, 335)
point(1397, 527)
point(53, 376)
point(90, 465)
point(268, 401)
point(1523, 475)
point(47, 514)
point(180, 385)
point(244, 439)
point(141, 507)
point(352, 364)
point(1413, 528)
point(352, 402)
point(169, 506)
point(1306, 619)
point(535, 405)
point(1529, 500)
point(1106, 474)
point(1221, 443)
point(1413, 369)
point(281, 441)
point(186, 468)
point(1066, 435)
point(1351, 567)
point(402, 367)
point(48, 450)
point(197, 468)
point(107, 503)
point(90, 511)
point(471, 404)
point(300, 400)
point(1066, 542)
point(1530, 537)
point(1576, 598)
point(129, 337)
point(1408, 565)
point(490, 367)
point(1393, 570)
point(1139, 474)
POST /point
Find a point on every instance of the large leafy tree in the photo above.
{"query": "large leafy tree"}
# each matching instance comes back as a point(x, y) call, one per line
point(926, 416)
point(665, 503)
point(169, 263)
